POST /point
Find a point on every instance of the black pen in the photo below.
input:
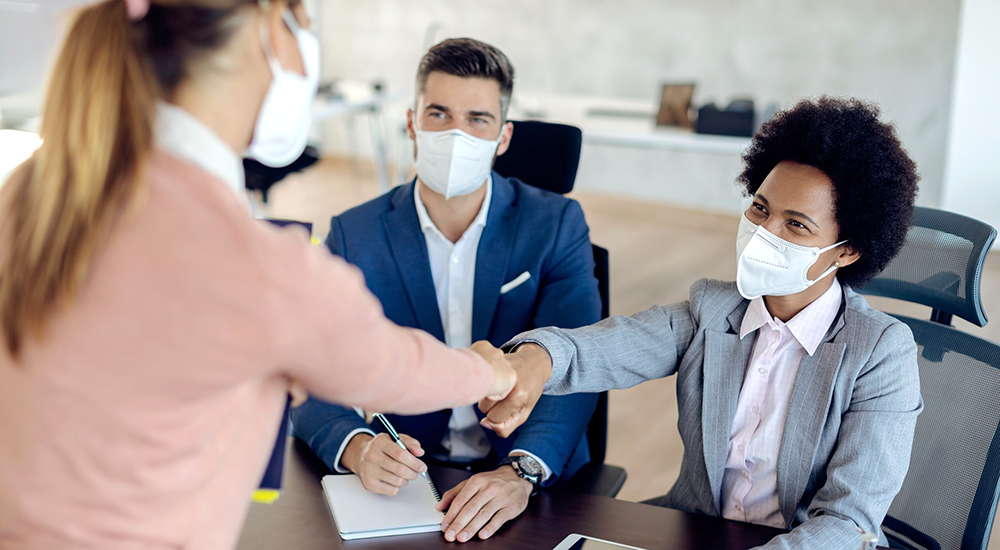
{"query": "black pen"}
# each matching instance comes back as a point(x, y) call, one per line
point(395, 437)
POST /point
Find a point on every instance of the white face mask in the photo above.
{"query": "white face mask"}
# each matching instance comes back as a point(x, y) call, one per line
point(283, 122)
point(768, 265)
point(454, 163)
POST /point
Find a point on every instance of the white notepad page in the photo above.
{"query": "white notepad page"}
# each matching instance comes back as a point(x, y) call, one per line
point(361, 514)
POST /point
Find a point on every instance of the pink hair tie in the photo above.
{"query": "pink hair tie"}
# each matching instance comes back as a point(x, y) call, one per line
point(136, 9)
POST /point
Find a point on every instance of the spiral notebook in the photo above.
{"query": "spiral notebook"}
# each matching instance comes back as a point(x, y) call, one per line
point(360, 514)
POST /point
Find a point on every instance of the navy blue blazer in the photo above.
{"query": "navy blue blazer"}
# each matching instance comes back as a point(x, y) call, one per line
point(527, 229)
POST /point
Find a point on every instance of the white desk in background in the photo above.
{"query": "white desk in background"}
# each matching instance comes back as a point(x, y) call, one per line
point(622, 122)
point(328, 107)
point(665, 138)
point(626, 154)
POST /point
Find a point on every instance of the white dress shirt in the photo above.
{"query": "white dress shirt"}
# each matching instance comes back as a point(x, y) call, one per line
point(182, 135)
point(750, 482)
point(453, 269)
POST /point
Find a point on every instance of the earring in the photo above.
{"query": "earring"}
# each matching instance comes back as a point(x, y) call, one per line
point(836, 264)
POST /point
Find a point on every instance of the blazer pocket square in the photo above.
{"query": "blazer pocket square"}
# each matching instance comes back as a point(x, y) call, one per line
point(515, 283)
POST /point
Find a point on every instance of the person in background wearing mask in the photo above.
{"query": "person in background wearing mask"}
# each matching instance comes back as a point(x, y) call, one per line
point(152, 328)
point(797, 401)
point(465, 254)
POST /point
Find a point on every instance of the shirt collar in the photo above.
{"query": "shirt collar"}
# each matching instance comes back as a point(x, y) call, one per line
point(809, 326)
point(181, 134)
point(426, 223)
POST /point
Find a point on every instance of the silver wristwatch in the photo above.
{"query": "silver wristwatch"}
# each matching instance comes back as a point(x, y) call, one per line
point(526, 468)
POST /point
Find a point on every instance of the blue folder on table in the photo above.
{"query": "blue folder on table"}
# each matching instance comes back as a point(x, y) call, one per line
point(270, 485)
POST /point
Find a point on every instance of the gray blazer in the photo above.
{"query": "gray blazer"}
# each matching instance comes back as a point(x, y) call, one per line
point(846, 443)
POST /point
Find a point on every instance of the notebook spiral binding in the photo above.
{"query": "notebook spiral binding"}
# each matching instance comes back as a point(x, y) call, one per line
point(434, 489)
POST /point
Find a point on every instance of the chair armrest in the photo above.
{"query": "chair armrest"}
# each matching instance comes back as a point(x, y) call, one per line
point(597, 479)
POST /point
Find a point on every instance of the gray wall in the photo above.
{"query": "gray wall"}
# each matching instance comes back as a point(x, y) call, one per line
point(26, 40)
point(972, 179)
point(30, 31)
point(899, 53)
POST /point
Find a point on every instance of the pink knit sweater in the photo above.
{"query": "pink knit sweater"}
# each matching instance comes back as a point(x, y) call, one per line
point(145, 415)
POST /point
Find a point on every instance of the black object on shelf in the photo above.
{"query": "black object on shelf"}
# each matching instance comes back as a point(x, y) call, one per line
point(737, 119)
point(260, 177)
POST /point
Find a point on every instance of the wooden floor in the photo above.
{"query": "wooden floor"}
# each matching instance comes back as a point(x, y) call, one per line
point(656, 253)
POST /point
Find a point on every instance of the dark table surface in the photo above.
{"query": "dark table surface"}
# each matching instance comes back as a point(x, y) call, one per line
point(300, 520)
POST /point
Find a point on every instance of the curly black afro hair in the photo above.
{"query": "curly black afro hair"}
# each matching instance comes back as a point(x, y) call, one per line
point(874, 180)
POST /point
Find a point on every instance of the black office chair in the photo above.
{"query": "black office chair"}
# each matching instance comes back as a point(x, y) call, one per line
point(261, 178)
point(543, 155)
point(546, 156)
point(949, 496)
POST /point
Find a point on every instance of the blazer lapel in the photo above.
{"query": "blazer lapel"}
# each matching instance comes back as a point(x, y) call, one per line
point(409, 249)
point(807, 410)
point(726, 359)
point(493, 255)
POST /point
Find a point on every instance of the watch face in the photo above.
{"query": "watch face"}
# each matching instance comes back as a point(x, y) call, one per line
point(530, 466)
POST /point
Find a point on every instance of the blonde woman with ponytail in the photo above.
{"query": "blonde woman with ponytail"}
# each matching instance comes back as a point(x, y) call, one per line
point(150, 326)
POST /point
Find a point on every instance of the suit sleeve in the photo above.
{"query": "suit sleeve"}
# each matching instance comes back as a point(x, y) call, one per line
point(555, 428)
point(327, 429)
point(568, 298)
point(330, 334)
point(568, 295)
point(873, 450)
point(619, 352)
point(335, 238)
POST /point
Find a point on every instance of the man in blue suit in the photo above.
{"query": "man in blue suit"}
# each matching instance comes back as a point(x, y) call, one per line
point(465, 254)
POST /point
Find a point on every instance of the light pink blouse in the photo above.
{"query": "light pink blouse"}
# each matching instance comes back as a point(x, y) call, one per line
point(750, 481)
point(145, 415)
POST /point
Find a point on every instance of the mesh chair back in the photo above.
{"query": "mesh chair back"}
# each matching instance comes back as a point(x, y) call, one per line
point(543, 155)
point(950, 491)
point(939, 266)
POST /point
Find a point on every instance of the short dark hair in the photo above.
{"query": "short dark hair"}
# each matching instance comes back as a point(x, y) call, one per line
point(874, 179)
point(469, 58)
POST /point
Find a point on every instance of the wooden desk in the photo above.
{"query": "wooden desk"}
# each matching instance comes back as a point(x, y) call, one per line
point(300, 520)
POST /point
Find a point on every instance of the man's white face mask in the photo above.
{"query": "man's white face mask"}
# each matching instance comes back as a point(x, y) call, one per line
point(768, 265)
point(452, 162)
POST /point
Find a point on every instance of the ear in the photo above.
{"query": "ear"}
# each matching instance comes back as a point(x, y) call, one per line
point(848, 255)
point(508, 134)
point(283, 42)
point(410, 129)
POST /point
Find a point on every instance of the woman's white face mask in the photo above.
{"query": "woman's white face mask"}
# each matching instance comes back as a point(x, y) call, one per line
point(768, 265)
point(282, 127)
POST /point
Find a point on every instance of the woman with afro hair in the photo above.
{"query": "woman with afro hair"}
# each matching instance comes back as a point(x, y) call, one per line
point(797, 401)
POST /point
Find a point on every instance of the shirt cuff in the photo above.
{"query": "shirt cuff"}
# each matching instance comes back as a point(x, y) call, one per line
point(545, 467)
point(340, 452)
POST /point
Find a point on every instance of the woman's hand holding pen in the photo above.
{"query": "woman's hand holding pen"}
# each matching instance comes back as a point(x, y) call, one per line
point(534, 367)
point(505, 377)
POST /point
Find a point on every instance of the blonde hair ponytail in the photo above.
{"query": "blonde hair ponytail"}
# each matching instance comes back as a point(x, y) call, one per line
point(97, 131)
